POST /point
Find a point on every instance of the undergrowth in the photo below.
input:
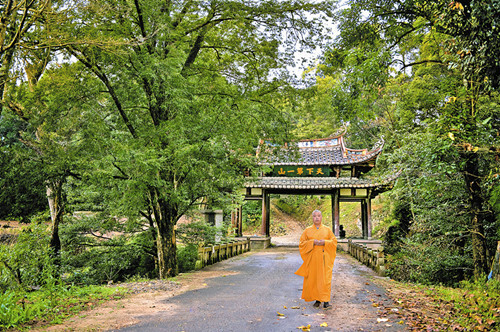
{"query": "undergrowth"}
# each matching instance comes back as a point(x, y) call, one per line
point(471, 306)
point(476, 306)
point(51, 305)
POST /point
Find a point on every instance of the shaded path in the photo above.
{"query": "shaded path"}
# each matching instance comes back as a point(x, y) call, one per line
point(253, 288)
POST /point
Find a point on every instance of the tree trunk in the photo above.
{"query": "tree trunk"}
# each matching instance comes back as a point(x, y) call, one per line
point(166, 246)
point(4, 74)
point(54, 196)
point(479, 245)
point(167, 249)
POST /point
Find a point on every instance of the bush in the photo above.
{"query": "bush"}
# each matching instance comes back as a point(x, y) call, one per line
point(91, 258)
point(429, 263)
point(200, 233)
point(187, 257)
point(28, 261)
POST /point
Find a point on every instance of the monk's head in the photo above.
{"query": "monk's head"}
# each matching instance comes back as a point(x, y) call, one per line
point(317, 217)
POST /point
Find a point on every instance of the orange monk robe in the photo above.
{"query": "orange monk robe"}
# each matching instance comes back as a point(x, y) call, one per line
point(318, 263)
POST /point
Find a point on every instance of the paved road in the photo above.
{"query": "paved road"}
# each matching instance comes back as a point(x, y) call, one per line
point(251, 290)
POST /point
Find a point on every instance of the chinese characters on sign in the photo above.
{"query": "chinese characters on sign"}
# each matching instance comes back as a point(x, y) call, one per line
point(318, 143)
point(301, 171)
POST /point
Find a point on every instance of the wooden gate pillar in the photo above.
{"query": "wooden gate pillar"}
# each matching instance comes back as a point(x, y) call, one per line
point(268, 215)
point(369, 218)
point(234, 220)
point(264, 228)
point(240, 221)
point(364, 225)
point(335, 212)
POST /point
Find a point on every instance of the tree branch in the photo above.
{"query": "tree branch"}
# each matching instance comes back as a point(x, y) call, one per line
point(104, 79)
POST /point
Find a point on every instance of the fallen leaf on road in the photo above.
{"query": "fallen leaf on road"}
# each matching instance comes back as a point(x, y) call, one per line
point(382, 320)
point(280, 314)
point(324, 324)
point(305, 328)
point(295, 307)
point(284, 307)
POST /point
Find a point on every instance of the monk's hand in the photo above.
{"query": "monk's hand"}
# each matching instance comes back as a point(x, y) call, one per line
point(319, 242)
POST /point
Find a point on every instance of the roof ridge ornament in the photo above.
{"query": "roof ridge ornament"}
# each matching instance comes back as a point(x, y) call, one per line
point(379, 144)
point(340, 132)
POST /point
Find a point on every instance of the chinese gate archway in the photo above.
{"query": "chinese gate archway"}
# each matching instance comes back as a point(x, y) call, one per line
point(318, 167)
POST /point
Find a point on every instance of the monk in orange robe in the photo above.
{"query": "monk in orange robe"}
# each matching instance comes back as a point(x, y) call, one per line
point(318, 248)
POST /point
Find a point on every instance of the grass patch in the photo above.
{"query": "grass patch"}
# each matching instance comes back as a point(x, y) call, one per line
point(20, 309)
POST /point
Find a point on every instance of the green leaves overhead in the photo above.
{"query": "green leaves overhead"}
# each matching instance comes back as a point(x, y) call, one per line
point(191, 88)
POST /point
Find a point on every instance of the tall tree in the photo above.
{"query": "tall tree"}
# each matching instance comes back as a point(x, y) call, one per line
point(30, 38)
point(193, 92)
point(60, 115)
point(453, 42)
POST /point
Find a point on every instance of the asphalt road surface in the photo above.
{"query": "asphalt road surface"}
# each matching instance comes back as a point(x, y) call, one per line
point(260, 292)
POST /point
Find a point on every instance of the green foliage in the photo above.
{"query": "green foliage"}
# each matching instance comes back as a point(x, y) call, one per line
point(187, 255)
point(28, 261)
point(252, 214)
point(472, 27)
point(22, 191)
point(104, 264)
point(431, 262)
point(201, 234)
point(429, 240)
point(179, 99)
point(30, 288)
point(474, 305)
point(98, 250)
point(301, 206)
point(436, 120)
point(398, 228)
point(290, 204)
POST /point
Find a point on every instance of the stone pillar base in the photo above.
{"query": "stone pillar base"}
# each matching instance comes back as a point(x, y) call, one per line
point(260, 242)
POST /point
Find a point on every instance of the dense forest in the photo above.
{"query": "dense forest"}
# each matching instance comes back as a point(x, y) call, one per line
point(119, 117)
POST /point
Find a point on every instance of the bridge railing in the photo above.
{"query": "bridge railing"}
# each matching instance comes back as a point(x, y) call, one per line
point(372, 258)
point(216, 253)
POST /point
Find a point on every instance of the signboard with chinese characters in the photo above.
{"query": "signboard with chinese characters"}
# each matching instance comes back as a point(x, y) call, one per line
point(318, 143)
point(302, 171)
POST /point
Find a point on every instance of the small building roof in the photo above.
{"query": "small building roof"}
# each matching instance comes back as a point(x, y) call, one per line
point(327, 151)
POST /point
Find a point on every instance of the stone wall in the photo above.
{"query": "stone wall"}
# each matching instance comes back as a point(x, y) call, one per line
point(373, 258)
point(216, 253)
